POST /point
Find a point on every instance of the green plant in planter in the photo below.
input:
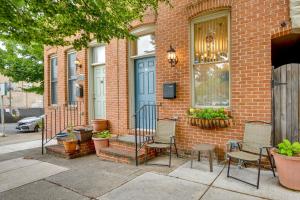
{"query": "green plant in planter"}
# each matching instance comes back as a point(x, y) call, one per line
point(288, 149)
point(208, 113)
point(102, 134)
point(71, 135)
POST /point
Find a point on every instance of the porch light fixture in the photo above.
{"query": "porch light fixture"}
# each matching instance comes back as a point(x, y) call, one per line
point(78, 63)
point(172, 58)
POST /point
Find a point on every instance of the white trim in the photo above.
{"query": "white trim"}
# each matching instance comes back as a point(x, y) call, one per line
point(142, 30)
point(67, 84)
point(91, 113)
point(50, 78)
point(143, 56)
point(53, 56)
point(202, 19)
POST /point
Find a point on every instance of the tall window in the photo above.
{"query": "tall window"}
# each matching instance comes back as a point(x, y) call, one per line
point(211, 61)
point(72, 77)
point(53, 89)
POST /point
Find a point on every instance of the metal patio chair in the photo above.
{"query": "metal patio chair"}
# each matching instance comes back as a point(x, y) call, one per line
point(164, 138)
point(256, 143)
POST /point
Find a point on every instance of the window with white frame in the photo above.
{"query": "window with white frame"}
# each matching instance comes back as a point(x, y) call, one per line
point(53, 73)
point(211, 61)
point(143, 45)
point(72, 77)
point(98, 55)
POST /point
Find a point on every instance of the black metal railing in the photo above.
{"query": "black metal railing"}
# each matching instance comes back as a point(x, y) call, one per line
point(145, 120)
point(58, 118)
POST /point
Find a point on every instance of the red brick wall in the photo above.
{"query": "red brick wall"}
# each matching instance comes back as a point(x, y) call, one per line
point(253, 24)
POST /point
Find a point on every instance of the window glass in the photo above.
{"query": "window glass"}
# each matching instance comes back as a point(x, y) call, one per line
point(72, 77)
point(143, 45)
point(98, 56)
point(53, 89)
point(211, 63)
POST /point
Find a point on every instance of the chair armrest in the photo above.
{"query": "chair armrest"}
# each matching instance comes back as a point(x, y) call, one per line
point(149, 136)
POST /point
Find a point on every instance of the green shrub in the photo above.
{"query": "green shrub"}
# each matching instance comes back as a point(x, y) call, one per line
point(102, 134)
point(208, 113)
point(289, 149)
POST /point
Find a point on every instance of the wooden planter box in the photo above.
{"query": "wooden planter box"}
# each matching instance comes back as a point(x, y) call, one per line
point(209, 123)
point(83, 134)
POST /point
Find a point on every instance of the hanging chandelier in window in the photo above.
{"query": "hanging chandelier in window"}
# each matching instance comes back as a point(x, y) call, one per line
point(211, 41)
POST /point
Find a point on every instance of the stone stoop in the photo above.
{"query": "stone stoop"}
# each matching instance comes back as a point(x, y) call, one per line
point(122, 149)
point(84, 148)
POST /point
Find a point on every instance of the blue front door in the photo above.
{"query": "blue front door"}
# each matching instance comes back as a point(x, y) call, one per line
point(145, 87)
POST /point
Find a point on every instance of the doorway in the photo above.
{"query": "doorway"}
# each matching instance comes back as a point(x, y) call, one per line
point(286, 88)
point(145, 85)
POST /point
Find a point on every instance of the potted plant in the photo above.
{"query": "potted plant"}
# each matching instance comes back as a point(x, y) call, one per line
point(99, 125)
point(209, 118)
point(287, 160)
point(101, 139)
point(70, 142)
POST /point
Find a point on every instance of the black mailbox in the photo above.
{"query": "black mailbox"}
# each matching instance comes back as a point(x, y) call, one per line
point(79, 90)
point(169, 91)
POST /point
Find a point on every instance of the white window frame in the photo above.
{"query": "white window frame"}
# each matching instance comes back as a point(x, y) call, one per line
point(51, 81)
point(68, 78)
point(192, 55)
point(94, 43)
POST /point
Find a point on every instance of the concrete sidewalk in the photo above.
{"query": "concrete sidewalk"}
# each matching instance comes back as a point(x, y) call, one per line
point(19, 138)
point(47, 177)
point(4, 149)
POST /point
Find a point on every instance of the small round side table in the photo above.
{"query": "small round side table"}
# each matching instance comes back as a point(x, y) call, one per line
point(203, 148)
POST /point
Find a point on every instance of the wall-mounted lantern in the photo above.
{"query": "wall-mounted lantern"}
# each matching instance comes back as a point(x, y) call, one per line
point(172, 58)
point(78, 63)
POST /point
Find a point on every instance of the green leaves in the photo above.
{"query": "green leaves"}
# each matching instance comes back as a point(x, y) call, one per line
point(60, 22)
point(208, 113)
point(103, 134)
point(23, 62)
point(289, 149)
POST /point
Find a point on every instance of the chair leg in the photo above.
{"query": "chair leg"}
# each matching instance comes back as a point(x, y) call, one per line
point(229, 161)
point(170, 155)
point(258, 176)
point(199, 156)
point(259, 163)
point(175, 148)
point(192, 157)
point(271, 163)
point(210, 161)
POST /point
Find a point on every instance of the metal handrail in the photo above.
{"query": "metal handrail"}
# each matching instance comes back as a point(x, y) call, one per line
point(70, 112)
point(145, 120)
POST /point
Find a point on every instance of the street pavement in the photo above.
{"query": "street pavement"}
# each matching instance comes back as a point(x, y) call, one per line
point(10, 128)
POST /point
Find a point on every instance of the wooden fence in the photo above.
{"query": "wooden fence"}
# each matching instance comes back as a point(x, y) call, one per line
point(286, 102)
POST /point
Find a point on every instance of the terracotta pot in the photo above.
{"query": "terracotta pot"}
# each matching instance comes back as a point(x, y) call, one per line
point(99, 125)
point(288, 170)
point(100, 143)
point(70, 146)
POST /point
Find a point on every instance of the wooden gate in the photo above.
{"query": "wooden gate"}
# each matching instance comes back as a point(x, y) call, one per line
point(286, 99)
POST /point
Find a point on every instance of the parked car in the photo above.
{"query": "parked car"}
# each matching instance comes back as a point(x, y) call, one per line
point(29, 124)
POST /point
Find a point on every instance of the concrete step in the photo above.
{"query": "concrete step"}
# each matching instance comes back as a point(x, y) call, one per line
point(85, 148)
point(123, 155)
point(128, 139)
point(117, 155)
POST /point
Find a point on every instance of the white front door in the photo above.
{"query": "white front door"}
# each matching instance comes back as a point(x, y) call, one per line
point(99, 92)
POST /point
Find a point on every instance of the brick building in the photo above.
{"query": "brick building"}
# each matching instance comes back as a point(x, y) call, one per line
point(224, 51)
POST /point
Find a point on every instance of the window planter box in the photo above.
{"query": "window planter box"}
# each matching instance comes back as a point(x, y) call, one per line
point(209, 123)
